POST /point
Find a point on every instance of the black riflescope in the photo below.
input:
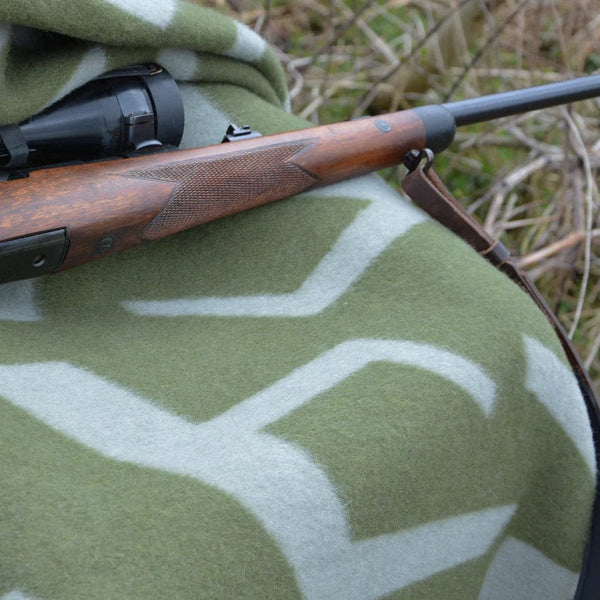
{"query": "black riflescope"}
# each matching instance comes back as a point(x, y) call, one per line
point(123, 112)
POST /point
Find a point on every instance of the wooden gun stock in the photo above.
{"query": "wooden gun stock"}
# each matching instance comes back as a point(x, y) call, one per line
point(65, 216)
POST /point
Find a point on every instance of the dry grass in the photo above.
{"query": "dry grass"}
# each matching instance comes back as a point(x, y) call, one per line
point(532, 180)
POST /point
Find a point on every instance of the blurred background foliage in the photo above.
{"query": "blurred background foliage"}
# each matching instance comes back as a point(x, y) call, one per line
point(533, 179)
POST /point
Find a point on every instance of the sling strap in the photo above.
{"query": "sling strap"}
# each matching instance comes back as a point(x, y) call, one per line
point(427, 190)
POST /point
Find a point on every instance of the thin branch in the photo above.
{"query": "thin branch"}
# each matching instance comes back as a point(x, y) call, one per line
point(571, 240)
point(589, 200)
point(483, 49)
point(366, 100)
point(593, 352)
point(499, 191)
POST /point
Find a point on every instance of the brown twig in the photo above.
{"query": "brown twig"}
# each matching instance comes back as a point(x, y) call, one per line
point(571, 240)
point(483, 49)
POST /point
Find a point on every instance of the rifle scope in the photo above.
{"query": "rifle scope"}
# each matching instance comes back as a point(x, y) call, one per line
point(122, 112)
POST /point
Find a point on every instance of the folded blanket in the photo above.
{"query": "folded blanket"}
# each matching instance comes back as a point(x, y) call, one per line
point(328, 397)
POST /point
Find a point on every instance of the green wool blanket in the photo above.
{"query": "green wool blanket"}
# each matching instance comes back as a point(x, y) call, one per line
point(330, 397)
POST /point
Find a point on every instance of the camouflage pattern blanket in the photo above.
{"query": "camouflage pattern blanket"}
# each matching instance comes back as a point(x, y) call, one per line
point(330, 397)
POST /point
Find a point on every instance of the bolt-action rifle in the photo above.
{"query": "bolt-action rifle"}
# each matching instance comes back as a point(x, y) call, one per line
point(55, 218)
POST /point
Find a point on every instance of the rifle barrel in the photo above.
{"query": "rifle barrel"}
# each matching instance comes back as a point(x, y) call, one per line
point(494, 106)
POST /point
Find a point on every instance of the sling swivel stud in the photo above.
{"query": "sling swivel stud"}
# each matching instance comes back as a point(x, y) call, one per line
point(414, 157)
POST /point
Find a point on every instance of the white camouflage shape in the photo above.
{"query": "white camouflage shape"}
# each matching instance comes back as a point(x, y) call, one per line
point(279, 482)
point(205, 124)
point(180, 63)
point(366, 238)
point(555, 386)
point(520, 571)
point(18, 301)
point(248, 45)
point(93, 63)
point(156, 12)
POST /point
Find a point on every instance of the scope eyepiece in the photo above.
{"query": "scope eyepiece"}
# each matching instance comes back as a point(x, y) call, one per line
point(122, 112)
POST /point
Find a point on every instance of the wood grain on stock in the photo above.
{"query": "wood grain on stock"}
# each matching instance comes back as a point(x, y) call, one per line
point(145, 198)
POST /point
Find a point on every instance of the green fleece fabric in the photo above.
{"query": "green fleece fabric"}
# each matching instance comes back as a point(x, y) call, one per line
point(330, 397)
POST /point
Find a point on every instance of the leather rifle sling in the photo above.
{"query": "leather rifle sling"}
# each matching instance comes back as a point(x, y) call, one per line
point(427, 190)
